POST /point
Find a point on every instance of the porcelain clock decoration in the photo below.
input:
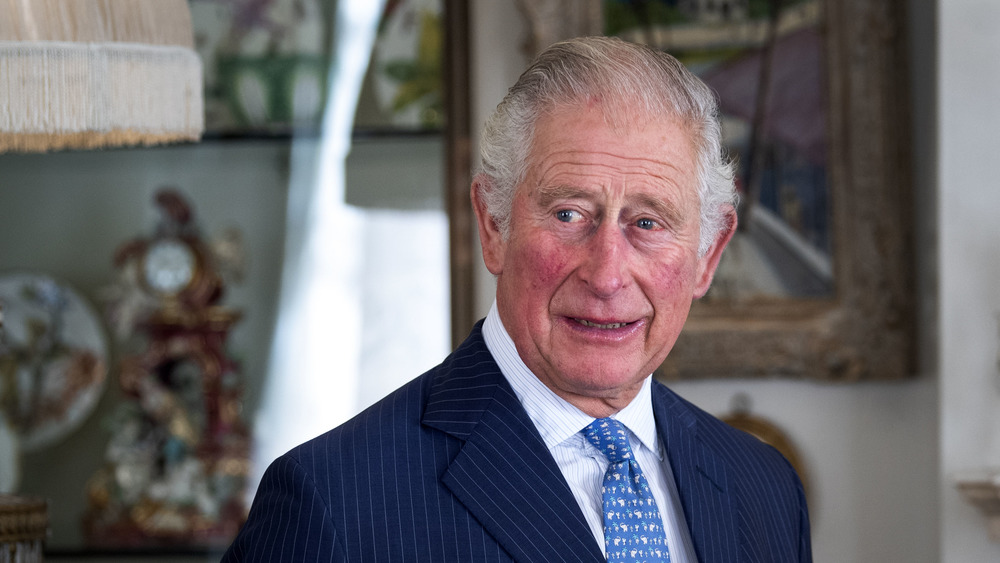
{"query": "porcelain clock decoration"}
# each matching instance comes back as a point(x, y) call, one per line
point(169, 266)
point(178, 455)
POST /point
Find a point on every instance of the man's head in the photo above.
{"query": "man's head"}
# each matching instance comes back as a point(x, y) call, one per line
point(621, 73)
point(603, 209)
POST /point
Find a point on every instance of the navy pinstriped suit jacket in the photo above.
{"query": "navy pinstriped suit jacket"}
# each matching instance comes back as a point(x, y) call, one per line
point(450, 468)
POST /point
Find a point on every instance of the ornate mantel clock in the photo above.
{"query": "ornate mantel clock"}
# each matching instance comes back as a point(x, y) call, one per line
point(177, 461)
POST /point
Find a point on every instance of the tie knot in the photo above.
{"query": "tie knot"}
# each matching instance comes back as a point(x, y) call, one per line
point(611, 437)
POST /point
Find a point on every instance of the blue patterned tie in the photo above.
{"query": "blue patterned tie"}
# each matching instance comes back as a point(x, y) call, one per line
point(633, 527)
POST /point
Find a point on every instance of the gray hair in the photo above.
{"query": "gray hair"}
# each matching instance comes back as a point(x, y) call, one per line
point(609, 68)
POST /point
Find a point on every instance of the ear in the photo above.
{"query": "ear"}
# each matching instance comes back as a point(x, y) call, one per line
point(708, 263)
point(489, 235)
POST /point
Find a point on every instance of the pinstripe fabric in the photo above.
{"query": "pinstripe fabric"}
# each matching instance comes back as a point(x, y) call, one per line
point(440, 471)
point(742, 500)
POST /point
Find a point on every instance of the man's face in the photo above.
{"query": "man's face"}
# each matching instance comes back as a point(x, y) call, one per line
point(598, 274)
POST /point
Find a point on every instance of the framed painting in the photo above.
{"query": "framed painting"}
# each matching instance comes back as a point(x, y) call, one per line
point(402, 92)
point(267, 67)
point(818, 283)
point(266, 64)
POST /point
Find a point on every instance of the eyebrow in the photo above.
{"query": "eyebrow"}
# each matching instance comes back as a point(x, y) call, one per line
point(549, 194)
point(661, 207)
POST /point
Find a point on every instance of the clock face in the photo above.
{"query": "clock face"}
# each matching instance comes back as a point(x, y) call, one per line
point(169, 266)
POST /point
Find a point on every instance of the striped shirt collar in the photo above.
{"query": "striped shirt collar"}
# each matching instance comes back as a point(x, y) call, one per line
point(556, 419)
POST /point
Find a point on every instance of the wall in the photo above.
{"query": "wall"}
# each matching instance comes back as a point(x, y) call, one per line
point(871, 449)
point(968, 90)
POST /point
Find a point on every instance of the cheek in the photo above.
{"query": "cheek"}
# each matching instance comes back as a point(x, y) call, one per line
point(551, 269)
point(544, 266)
point(671, 292)
point(673, 281)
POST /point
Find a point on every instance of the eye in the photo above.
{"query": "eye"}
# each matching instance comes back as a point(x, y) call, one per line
point(646, 224)
point(568, 215)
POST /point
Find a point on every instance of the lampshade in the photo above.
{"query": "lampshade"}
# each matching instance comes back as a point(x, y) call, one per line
point(97, 73)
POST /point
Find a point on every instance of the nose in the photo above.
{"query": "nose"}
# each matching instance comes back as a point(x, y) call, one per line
point(604, 269)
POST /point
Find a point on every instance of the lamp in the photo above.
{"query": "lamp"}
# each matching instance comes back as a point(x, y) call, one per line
point(23, 526)
point(81, 74)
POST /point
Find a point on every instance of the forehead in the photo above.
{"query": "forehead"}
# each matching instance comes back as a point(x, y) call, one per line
point(586, 140)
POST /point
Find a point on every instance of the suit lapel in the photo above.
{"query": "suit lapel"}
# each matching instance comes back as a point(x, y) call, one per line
point(702, 478)
point(504, 474)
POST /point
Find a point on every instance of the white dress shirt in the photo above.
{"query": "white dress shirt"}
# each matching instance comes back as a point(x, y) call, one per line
point(582, 464)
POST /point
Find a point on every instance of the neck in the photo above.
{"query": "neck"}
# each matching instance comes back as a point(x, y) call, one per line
point(598, 406)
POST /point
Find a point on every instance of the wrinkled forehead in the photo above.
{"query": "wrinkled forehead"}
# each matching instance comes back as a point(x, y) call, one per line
point(623, 114)
point(620, 117)
point(577, 147)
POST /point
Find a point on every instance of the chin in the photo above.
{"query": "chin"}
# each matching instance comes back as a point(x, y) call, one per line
point(600, 384)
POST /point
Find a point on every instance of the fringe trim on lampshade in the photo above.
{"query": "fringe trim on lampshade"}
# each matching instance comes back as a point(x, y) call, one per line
point(97, 73)
point(69, 95)
point(152, 22)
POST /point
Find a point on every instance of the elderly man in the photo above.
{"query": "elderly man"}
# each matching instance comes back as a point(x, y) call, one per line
point(603, 208)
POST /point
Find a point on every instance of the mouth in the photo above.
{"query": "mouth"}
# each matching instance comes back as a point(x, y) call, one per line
point(607, 326)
